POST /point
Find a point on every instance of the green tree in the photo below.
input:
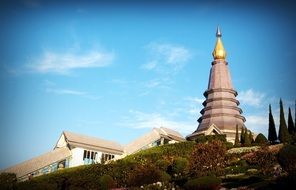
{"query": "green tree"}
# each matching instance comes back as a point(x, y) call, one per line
point(247, 138)
point(291, 127)
point(272, 137)
point(236, 141)
point(242, 139)
point(251, 137)
point(261, 139)
point(284, 135)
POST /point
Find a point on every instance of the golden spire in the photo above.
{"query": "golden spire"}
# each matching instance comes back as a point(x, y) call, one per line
point(219, 51)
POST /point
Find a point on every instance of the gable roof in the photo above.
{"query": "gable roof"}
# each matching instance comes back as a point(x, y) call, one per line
point(174, 135)
point(152, 136)
point(39, 162)
point(93, 143)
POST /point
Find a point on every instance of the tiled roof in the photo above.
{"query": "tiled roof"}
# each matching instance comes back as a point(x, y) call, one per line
point(93, 143)
point(39, 162)
point(154, 135)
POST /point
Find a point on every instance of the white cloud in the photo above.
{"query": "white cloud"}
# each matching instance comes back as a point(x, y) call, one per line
point(167, 56)
point(153, 83)
point(251, 98)
point(139, 120)
point(51, 62)
point(196, 100)
point(60, 91)
point(149, 66)
point(257, 123)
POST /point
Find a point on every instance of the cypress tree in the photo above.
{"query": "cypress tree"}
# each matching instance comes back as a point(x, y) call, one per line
point(236, 141)
point(284, 135)
point(251, 137)
point(272, 137)
point(242, 139)
point(247, 138)
point(291, 127)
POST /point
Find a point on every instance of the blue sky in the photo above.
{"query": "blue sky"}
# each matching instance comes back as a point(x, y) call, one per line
point(116, 69)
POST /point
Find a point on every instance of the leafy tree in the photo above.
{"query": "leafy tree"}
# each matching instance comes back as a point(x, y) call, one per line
point(208, 159)
point(291, 127)
point(242, 139)
point(284, 135)
point(272, 137)
point(236, 141)
point(287, 158)
point(247, 138)
point(261, 139)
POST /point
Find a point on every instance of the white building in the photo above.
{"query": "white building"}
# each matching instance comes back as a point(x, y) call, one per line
point(157, 137)
point(74, 149)
point(71, 150)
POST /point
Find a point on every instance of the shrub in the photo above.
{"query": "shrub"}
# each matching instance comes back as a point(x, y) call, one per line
point(236, 169)
point(287, 158)
point(154, 154)
point(106, 182)
point(164, 177)
point(162, 164)
point(208, 159)
point(209, 138)
point(144, 174)
point(180, 165)
point(263, 158)
point(203, 183)
point(261, 139)
point(7, 180)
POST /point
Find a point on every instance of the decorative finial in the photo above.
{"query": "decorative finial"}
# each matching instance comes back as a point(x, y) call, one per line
point(219, 51)
point(218, 33)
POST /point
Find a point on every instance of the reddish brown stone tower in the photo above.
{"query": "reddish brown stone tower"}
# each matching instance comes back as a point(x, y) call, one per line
point(221, 113)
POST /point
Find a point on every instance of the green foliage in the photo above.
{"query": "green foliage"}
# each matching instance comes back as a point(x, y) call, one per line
point(180, 165)
point(264, 159)
point(247, 138)
point(236, 169)
point(287, 158)
point(162, 164)
point(164, 177)
point(208, 159)
point(284, 135)
point(236, 141)
point(272, 137)
point(144, 174)
point(251, 137)
point(242, 139)
point(182, 149)
point(7, 181)
point(106, 182)
point(261, 139)
point(291, 127)
point(203, 183)
point(209, 138)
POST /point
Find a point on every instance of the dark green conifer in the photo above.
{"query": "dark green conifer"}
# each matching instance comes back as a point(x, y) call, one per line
point(284, 135)
point(272, 137)
point(247, 138)
point(291, 127)
point(242, 139)
point(236, 141)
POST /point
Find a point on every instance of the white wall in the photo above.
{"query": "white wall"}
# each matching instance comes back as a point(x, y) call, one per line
point(77, 157)
point(62, 142)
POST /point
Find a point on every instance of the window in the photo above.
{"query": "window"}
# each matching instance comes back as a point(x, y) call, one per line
point(105, 157)
point(89, 157)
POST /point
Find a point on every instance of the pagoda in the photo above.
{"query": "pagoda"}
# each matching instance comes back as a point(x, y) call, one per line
point(221, 113)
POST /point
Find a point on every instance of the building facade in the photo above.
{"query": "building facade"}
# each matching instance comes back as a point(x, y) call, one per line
point(74, 149)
